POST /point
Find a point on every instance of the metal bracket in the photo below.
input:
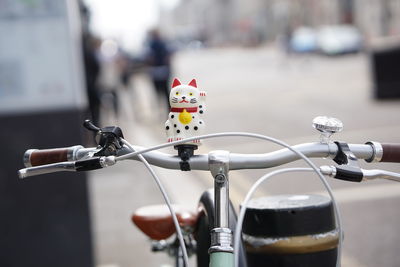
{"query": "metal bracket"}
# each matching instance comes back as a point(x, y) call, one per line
point(108, 139)
point(344, 155)
point(221, 240)
point(185, 152)
point(378, 152)
point(350, 169)
point(218, 161)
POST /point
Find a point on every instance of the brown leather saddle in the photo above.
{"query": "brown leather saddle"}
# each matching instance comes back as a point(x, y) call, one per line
point(156, 221)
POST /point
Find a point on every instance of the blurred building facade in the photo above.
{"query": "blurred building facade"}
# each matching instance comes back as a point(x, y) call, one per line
point(220, 22)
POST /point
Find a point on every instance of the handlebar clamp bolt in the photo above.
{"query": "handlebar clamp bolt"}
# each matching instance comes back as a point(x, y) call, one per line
point(220, 178)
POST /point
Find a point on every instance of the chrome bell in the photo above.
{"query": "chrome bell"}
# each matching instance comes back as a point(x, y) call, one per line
point(327, 126)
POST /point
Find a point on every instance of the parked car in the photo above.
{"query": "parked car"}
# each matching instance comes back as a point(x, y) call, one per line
point(339, 39)
point(303, 40)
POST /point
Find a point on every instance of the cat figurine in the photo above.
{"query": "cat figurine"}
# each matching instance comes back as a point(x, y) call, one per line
point(187, 108)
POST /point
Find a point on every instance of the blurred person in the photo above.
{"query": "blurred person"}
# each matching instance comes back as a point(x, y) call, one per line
point(158, 58)
point(112, 65)
point(90, 46)
point(92, 70)
point(286, 39)
point(125, 64)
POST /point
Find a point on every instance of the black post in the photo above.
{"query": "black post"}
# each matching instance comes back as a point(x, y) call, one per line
point(44, 220)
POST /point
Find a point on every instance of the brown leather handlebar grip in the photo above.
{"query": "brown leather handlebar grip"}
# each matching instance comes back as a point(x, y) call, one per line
point(37, 157)
point(391, 153)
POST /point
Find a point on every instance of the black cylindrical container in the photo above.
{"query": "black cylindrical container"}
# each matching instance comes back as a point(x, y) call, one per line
point(290, 231)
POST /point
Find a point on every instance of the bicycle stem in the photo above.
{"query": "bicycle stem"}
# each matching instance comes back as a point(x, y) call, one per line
point(221, 235)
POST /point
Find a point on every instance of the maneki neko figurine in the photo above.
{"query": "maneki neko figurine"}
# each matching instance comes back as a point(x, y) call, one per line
point(187, 109)
point(185, 117)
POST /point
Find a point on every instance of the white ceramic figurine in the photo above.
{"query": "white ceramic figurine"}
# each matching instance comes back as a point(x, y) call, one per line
point(187, 107)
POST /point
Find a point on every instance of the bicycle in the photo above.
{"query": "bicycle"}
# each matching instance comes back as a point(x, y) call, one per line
point(219, 214)
point(208, 233)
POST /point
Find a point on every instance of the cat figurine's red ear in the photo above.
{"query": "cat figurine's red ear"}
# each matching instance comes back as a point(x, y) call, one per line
point(193, 83)
point(175, 83)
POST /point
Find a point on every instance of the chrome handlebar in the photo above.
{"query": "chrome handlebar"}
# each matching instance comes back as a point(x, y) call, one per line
point(201, 162)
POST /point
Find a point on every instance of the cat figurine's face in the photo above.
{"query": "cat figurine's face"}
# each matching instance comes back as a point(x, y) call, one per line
point(182, 95)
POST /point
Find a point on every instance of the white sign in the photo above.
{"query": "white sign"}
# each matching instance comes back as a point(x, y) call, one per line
point(40, 56)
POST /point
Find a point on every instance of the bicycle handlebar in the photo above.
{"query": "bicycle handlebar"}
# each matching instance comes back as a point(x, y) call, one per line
point(237, 161)
point(371, 151)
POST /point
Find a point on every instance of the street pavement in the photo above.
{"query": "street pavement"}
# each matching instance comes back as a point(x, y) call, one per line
point(263, 91)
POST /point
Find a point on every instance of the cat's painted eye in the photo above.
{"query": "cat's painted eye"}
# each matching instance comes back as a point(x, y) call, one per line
point(190, 93)
point(177, 93)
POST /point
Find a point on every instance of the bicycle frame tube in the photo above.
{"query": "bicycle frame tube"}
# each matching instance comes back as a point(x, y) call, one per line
point(221, 259)
point(221, 250)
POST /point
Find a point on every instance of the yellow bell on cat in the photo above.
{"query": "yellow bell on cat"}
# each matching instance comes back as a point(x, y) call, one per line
point(185, 117)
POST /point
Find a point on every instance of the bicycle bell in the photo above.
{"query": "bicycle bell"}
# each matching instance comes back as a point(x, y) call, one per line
point(327, 126)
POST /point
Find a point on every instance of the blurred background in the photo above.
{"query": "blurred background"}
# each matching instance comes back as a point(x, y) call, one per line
point(268, 67)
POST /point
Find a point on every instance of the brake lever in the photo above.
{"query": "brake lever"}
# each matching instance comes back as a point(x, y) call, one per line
point(367, 175)
point(88, 164)
point(48, 168)
point(380, 174)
